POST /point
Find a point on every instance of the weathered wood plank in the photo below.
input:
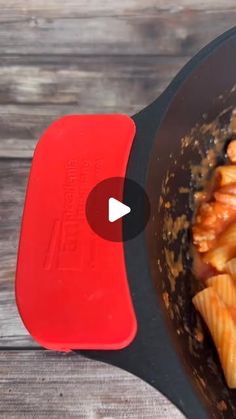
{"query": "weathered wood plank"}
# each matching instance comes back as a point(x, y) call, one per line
point(13, 178)
point(21, 9)
point(45, 384)
point(45, 88)
point(88, 82)
point(12, 331)
point(182, 32)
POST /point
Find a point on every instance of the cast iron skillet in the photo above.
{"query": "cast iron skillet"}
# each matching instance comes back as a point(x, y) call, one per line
point(165, 352)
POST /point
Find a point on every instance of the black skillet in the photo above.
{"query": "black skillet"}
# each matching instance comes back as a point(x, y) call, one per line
point(165, 351)
point(190, 378)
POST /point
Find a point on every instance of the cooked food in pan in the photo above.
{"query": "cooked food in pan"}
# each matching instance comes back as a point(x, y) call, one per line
point(214, 239)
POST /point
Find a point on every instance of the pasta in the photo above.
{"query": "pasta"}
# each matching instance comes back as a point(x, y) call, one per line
point(222, 328)
point(219, 256)
point(225, 175)
point(227, 195)
point(225, 287)
point(230, 267)
point(228, 189)
point(231, 151)
point(228, 236)
point(214, 238)
point(225, 198)
point(212, 218)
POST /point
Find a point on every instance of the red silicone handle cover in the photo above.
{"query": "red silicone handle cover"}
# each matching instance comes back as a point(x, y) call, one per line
point(71, 285)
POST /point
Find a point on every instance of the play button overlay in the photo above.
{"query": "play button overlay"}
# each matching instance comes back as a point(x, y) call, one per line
point(117, 209)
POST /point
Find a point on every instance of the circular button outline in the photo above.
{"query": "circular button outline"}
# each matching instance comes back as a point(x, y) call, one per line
point(127, 227)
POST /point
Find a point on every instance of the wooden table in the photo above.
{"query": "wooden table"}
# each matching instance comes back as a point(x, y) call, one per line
point(78, 56)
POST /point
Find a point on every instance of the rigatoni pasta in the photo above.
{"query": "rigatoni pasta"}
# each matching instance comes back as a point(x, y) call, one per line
point(219, 256)
point(225, 287)
point(228, 236)
point(224, 175)
point(214, 238)
point(230, 267)
point(222, 328)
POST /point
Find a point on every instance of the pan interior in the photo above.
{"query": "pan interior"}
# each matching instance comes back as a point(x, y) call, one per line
point(189, 144)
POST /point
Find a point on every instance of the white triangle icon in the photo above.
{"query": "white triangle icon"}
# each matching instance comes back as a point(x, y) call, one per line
point(116, 209)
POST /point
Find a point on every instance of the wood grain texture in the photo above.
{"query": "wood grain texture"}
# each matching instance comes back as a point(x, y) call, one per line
point(34, 92)
point(89, 82)
point(22, 9)
point(179, 33)
point(44, 384)
point(13, 179)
